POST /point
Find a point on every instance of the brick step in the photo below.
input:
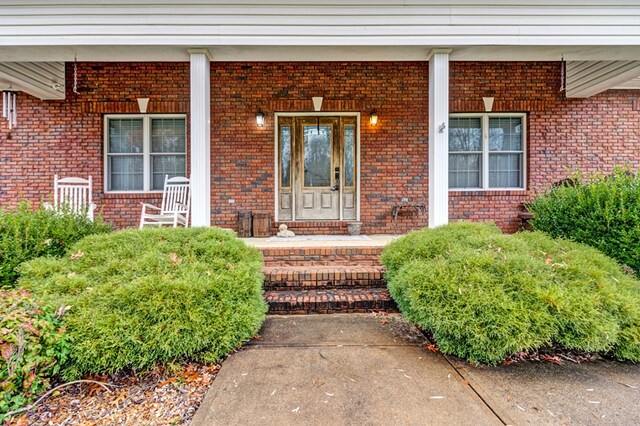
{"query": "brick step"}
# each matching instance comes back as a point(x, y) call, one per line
point(304, 256)
point(322, 277)
point(329, 301)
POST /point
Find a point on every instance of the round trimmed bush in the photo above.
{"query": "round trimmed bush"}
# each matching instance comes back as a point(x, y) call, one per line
point(26, 234)
point(485, 295)
point(139, 297)
point(598, 210)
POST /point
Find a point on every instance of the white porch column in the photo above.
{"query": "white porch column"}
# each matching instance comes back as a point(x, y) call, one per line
point(200, 115)
point(438, 137)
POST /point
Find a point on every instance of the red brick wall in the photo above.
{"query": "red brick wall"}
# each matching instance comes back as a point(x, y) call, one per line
point(592, 134)
point(393, 157)
point(66, 137)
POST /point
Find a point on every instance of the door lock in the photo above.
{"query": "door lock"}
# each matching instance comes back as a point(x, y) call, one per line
point(336, 179)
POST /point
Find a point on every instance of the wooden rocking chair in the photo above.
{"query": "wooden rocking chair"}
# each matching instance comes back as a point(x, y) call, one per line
point(176, 203)
point(72, 195)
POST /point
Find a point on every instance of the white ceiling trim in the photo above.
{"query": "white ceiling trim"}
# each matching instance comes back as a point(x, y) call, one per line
point(588, 78)
point(44, 80)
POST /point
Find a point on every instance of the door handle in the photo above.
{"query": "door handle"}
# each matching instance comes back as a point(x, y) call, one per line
point(337, 179)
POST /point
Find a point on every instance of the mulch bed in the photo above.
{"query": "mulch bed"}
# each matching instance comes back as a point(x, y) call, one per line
point(160, 397)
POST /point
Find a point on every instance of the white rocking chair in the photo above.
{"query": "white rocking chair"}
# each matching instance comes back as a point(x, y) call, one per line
point(72, 195)
point(176, 203)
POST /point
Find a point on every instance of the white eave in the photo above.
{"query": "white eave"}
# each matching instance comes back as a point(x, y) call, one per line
point(320, 23)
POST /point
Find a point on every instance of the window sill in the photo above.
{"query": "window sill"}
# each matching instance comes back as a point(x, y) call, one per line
point(131, 194)
point(489, 192)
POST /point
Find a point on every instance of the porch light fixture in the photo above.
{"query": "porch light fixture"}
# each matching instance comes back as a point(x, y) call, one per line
point(9, 110)
point(260, 118)
point(373, 118)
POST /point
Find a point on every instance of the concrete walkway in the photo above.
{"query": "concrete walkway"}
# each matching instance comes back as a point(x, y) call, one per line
point(366, 369)
point(357, 369)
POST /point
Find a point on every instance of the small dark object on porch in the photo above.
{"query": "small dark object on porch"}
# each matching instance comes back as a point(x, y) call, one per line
point(525, 217)
point(418, 207)
point(244, 224)
point(261, 225)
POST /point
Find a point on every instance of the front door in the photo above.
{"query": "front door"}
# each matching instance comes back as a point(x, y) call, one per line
point(317, 168)
point(318, 182)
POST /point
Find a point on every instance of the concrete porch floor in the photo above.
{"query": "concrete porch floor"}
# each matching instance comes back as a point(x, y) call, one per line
point(371, 241)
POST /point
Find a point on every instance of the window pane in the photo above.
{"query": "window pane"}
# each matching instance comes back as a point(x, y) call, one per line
point(465, 134)
point(285, 156)
point(505, 170)
point(505, 134)
point(125, 135)
point(161, 165)
point(126, 173)
point(465, 171)
point(168, 135)
point(349, 155)
point(317, 156)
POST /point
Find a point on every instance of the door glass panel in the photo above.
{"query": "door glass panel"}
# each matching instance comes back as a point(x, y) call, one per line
point(285, 156)
point(349, 155)
point(317, 156)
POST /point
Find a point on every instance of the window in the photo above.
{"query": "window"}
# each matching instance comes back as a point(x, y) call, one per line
point(142, 149)
point(486, 151)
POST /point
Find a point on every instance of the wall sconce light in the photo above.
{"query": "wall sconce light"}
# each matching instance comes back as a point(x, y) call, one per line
point(373, 118)
point(488, 103)
point(260, 118)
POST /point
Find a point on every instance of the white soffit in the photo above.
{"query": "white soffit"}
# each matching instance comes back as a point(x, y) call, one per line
point(588, 78)
point(44, 80)
point(631, 84)
point(315, 53)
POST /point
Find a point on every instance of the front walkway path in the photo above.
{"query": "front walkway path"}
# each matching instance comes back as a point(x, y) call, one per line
point(358, 369)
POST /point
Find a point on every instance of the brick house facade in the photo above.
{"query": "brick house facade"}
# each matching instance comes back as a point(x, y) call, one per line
point(66, 137)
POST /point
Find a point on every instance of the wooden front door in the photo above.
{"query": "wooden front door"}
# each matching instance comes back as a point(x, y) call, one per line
point(317, 168)
point(318, 180)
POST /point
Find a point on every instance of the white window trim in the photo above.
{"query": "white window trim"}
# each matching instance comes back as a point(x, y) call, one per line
point(485, 150)
point(146, 150)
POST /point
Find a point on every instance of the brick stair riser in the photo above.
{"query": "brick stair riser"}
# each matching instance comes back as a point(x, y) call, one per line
point(322, 277)
point(320, 303)
point(324, 256)
point(322, 284)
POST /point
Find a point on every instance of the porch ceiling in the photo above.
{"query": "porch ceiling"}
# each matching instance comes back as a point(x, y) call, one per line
point(44, 80)
point(588, 78)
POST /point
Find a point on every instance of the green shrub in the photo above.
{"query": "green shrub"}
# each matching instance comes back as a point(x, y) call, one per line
point(601, 211)
point(33, 345)
point(139, 297)
point(485, 295)
point(26, 234)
